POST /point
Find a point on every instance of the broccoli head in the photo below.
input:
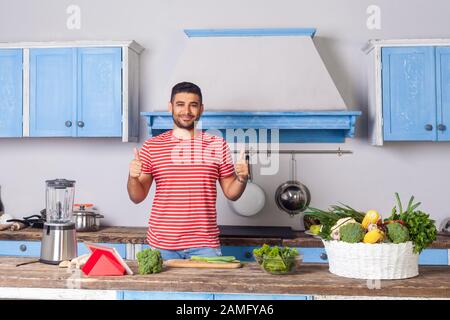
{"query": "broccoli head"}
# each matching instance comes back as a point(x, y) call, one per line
point(149, 261)
point(352, 232)
point(397, 232)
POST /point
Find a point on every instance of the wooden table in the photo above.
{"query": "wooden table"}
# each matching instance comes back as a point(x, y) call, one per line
point(310, 280)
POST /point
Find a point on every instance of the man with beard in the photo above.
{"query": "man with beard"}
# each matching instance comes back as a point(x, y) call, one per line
point(185, 164)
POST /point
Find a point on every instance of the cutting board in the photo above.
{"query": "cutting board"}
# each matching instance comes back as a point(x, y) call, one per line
point(185, 263)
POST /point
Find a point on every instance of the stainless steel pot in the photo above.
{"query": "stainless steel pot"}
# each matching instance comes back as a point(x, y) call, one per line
point(86, 221)
point(292, 196)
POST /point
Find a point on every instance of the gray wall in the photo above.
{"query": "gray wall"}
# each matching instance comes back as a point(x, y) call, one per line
point(365, 180)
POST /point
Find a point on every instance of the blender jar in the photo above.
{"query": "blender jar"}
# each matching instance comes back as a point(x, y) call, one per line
point(59, 200)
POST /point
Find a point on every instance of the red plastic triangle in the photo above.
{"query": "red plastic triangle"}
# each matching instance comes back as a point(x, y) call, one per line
point(103, 263)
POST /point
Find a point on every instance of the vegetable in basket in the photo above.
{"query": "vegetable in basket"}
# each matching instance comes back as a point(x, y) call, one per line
point(397, 232)
point(352, 233)
point(422, 230)
point(329, 219)
point(375, 235)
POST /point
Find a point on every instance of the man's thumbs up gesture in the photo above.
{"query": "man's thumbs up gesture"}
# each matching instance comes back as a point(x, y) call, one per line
point(135, 165)
point(241, 167)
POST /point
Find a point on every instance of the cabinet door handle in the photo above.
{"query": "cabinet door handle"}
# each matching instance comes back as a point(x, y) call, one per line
point(442, 127)
point(81, 124)
point(323, 256)
point(68, 123)
point(428, 127)
point(248, 254)
point(23, 248)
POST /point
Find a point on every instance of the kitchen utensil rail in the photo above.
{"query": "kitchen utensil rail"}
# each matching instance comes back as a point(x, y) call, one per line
point(339, 151)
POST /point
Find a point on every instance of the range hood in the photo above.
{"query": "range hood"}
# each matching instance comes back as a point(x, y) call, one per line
point(260, 78)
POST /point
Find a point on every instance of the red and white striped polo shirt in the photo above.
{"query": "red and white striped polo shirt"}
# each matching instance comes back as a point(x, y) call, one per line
point(184, 213)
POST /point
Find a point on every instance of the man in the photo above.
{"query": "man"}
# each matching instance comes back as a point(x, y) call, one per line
point(185, 164)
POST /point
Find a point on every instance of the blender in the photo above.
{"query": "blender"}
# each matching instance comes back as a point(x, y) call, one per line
point(59, 238)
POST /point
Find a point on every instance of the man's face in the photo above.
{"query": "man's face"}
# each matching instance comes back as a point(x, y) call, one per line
point(186, 109)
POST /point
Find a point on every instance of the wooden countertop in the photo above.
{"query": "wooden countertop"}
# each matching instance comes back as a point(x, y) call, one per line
point(310, 279)
point(137, 235)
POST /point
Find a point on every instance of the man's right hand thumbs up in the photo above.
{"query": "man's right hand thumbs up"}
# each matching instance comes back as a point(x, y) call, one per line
point(136, 165)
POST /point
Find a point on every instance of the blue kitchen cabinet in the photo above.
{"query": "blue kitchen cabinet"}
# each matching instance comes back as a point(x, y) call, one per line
point(11, 92)
point(52, 92)
point(443, 93)
point(162, 295)
point(434, 257)
point(99, 112)
point(75, 92)
point(70, 89)
point(409, 92)
point(409, 99)
point(256, 296)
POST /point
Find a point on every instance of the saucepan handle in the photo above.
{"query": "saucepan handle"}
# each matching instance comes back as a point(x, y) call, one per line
point(247, 158)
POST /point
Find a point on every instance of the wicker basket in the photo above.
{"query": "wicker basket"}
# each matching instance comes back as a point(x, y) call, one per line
point(372, 261)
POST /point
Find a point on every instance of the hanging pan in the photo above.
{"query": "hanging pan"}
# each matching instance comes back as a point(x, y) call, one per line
point(252, 200)
point(292, 196)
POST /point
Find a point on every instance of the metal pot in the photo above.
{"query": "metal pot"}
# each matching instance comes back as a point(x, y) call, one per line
point(292, 196)
point(86, 221)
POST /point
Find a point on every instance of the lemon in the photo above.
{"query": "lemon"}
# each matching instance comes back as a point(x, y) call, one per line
point(315, 228)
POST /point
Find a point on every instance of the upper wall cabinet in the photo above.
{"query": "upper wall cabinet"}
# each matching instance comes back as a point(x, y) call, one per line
point(409, 90)
point(81, 89)
point(10, 92)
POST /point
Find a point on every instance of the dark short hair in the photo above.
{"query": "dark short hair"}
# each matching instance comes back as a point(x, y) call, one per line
point(186, 87)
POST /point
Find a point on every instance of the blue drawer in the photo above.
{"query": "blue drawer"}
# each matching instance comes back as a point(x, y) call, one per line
point(434, 257)
point(242, 253)
point(313, 255)
point(120, 247)
point(33, 248)
point(158, 295)
point(20, 248)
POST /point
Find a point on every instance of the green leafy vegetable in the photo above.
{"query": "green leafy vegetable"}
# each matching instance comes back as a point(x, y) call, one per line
point(422, 229)
point(276, 259)
point(329, 218)
point(215, 259)
point(149, 261)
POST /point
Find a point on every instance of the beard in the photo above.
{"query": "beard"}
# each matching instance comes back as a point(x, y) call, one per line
point(184, 125)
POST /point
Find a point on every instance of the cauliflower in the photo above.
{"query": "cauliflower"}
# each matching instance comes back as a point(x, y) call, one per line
point(149, 261)
point(335, 230)
point(352, 232)
point(397, 232)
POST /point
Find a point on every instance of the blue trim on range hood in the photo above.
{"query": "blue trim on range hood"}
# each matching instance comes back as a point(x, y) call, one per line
point(294, 127)
point(264, 32)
